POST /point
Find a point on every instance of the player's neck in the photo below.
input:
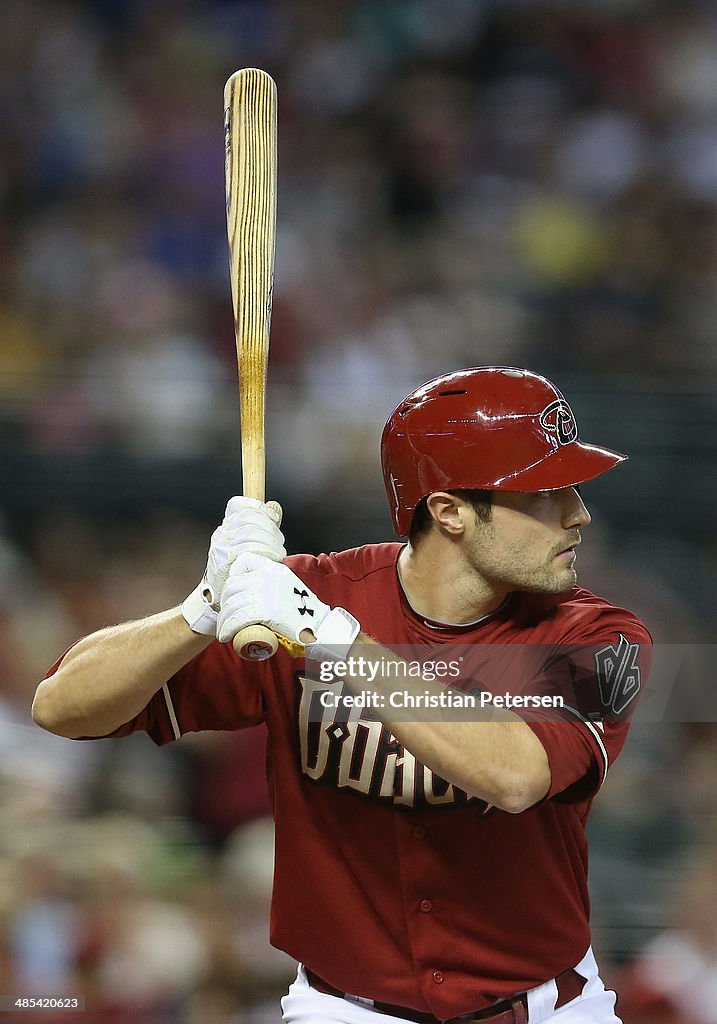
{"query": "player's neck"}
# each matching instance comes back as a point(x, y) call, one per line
point(441, 585)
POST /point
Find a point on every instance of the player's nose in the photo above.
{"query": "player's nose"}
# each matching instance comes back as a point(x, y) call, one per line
point(575, 513)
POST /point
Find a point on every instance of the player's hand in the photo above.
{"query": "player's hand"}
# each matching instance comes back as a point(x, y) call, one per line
point(261, 591)
point(249, 527)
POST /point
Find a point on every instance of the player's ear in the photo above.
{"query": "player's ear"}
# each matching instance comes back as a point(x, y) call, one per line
point(449, 512)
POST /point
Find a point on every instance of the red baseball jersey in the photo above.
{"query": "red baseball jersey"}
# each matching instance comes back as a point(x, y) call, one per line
point(390, 882)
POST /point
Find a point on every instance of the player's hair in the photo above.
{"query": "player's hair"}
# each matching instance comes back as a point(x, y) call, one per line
point(423, 520)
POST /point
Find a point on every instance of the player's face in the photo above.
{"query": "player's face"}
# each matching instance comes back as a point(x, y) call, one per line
point(530, 541)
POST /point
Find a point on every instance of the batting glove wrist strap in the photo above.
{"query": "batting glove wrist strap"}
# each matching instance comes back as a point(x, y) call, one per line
point(198, 612)
point(334, 636)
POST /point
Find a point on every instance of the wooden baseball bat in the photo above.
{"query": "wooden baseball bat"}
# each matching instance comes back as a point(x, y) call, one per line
point(250, 175)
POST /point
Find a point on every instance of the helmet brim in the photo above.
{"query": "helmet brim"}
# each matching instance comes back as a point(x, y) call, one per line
point(567, 466)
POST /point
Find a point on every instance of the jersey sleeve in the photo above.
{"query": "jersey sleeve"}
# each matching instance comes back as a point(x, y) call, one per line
point(214, 691)
point(601, 680)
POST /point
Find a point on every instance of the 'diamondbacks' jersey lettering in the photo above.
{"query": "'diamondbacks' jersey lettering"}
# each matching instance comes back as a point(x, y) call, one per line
point(347, 749)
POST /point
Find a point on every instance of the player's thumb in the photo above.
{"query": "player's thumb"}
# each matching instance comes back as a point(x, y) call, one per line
point(274, 511)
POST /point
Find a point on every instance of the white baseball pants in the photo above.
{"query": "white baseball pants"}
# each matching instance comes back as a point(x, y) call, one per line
point(595, 1005)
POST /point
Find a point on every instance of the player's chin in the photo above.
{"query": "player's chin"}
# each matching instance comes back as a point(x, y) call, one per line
point(559, 581)
point(566, 580)
point(553, 582)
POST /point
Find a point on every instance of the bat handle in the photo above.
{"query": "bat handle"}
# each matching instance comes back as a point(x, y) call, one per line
point(255, 643)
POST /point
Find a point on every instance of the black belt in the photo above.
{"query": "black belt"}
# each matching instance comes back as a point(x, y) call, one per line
point(513, 1010)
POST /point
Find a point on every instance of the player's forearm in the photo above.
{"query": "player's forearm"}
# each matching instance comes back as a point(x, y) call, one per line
point(499, 758)
point(109, 676)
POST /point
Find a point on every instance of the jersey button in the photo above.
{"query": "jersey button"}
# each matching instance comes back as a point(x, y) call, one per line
point(425, 906)
point(438, 977)
point(419, 832)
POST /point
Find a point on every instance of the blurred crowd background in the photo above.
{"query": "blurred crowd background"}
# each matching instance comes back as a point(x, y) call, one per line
point(461, 182)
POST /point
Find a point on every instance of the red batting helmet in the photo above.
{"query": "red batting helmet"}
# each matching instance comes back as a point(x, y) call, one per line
point(493, 428)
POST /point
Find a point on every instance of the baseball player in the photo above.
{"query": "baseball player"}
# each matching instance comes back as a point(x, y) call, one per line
point(429, 867)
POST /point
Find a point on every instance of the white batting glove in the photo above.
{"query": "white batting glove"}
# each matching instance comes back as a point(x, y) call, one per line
point(261, 591)
point(249, 526)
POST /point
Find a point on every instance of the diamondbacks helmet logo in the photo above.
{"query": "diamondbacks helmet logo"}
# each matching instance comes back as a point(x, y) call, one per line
point(490, 427)
point(558, 419)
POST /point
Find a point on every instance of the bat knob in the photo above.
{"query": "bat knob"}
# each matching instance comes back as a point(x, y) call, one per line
point(255, 643)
